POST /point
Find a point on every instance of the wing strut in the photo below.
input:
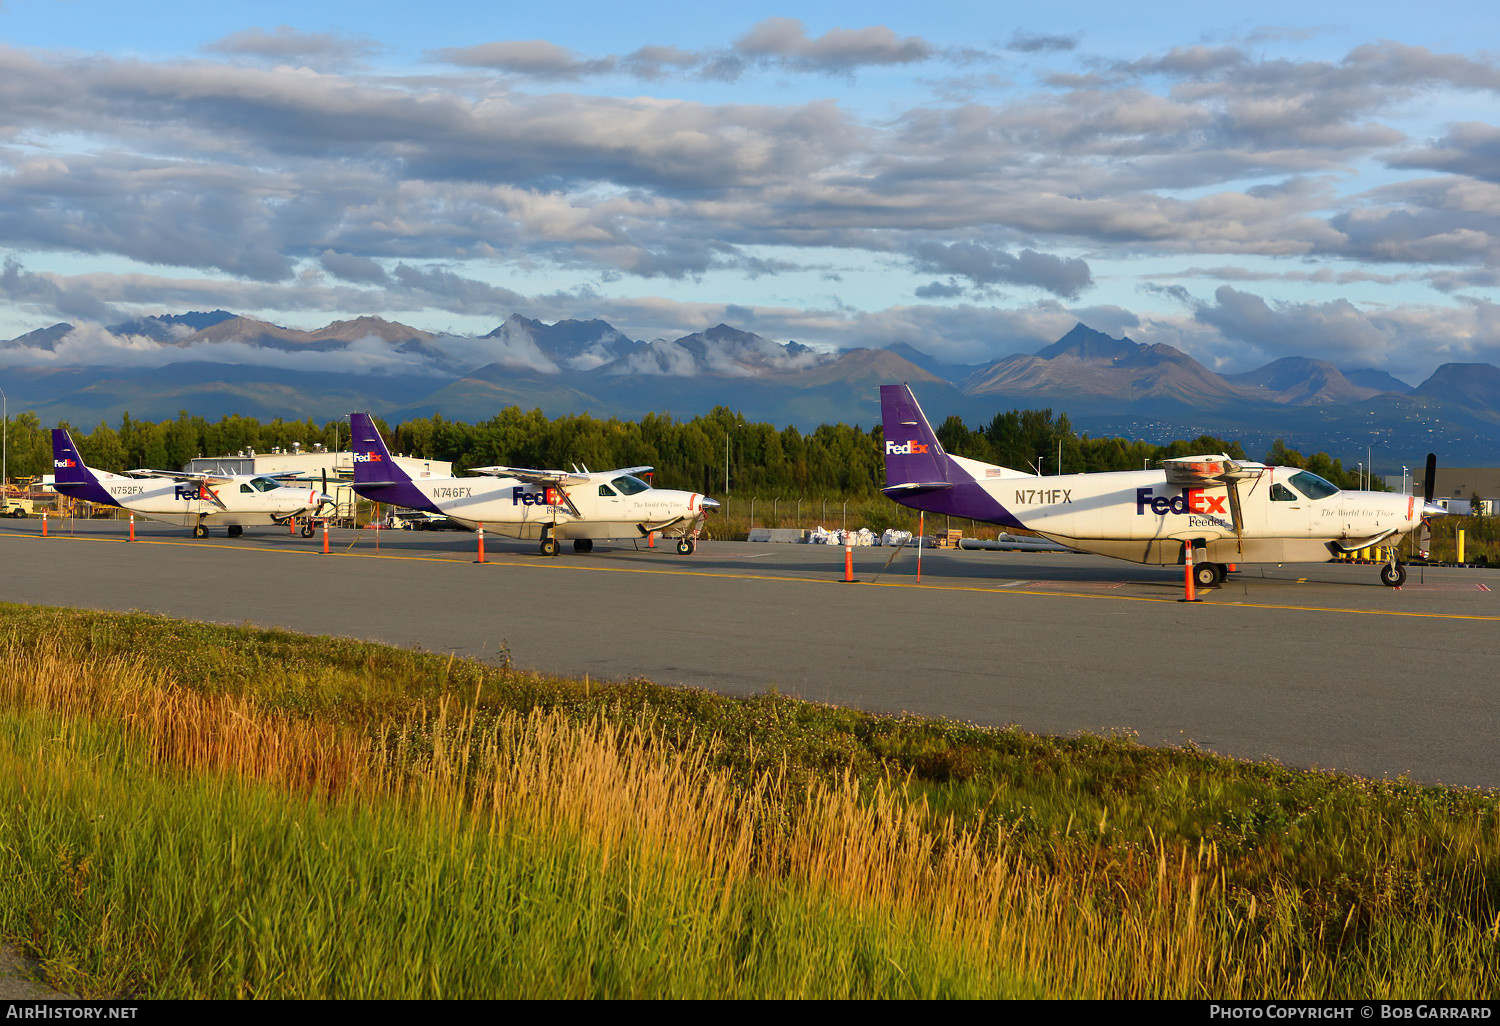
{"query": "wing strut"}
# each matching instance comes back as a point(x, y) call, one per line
point(1233, 474)
point(1236, 515)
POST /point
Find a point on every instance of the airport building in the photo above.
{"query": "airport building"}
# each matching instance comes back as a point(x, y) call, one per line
point(1455, 486)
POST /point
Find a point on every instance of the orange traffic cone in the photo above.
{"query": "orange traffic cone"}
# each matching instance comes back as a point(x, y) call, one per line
point(1187, 557)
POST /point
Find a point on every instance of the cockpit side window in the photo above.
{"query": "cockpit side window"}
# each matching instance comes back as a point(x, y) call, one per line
point(1313, 486)
point(605, 489)
point(630, 485)
point(1281, 493)
point(247, 488)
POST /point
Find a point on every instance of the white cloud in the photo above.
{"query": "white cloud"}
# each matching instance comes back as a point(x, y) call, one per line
point(242, 181)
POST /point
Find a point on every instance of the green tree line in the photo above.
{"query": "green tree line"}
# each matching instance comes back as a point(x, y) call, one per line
point(834, 460)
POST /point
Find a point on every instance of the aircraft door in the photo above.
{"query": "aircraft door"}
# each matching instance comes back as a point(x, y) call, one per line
point(1289, 513)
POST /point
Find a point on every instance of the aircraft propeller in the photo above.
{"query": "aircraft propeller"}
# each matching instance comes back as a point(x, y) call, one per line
point(323, 490)
point(1424, 540)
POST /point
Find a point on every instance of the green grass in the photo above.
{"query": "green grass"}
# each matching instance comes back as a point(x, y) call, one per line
point(192, 810)
point(131, 881)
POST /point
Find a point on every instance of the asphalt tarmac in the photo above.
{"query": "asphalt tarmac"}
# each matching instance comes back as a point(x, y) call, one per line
point(1314, 665)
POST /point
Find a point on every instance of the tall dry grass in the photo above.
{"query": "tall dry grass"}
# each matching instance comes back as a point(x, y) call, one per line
point(1071, 917)
point(869, 849)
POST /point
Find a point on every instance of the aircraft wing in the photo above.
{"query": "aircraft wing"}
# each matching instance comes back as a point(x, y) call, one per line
point(541, 477)
point(180, 475)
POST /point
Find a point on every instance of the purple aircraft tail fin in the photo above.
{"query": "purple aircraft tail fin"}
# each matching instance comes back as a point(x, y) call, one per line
point(72, 477)
point(376, 475)
point(372, 460)
point(919, 474)
point(914, 458)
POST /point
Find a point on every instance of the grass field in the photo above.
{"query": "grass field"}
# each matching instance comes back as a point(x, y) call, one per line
point(201, 811)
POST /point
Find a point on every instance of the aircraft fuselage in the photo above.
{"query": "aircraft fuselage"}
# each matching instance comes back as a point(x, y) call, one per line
point(1136, 515)
point(597, 509)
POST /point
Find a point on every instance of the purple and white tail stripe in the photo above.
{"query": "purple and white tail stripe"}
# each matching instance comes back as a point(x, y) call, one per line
point(376, 475)
point(920, 475)
point(71, 476)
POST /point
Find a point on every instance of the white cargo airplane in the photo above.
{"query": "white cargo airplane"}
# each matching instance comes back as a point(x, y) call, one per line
point(199, 501)
point(549, 505)
point(1233, 511)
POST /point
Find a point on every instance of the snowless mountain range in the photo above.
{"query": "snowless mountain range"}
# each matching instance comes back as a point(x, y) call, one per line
point(218, 363)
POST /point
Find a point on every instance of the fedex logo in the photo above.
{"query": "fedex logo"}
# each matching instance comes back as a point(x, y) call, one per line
point(64, 463)
point(186, 491)
point(905, 448)
point(1192, 500)
point(546, 497)
point(367, 457)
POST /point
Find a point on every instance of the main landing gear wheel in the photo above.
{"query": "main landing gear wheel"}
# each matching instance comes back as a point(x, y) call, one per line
point(234, 530)
point(1393, 575)
point(307, 528)
point(686, 546)
point(199, 531)
point(1208, 575)
point(583, 545)
point(549, 546)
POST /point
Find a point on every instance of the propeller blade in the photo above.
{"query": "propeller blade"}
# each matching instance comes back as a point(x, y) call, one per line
point(329, 500)
point(1431, 481)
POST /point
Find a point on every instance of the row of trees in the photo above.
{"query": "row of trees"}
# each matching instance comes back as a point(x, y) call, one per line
point(1038, 441)
point(834, 460)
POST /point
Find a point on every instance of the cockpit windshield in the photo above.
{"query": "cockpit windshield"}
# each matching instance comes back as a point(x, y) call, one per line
point(1312, 486)
point(265, 484)
point(630, 485)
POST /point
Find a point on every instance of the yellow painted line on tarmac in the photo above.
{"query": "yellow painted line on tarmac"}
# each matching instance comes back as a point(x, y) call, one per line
point(508, 560)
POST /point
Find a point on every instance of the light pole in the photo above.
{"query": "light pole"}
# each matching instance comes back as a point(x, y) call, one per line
point(4, 446)
point(1370, 463)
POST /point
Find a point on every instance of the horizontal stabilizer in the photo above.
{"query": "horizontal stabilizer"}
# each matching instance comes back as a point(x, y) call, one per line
point(917, 486)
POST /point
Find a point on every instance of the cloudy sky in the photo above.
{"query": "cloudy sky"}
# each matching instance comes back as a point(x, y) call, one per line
point(1241, 181)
